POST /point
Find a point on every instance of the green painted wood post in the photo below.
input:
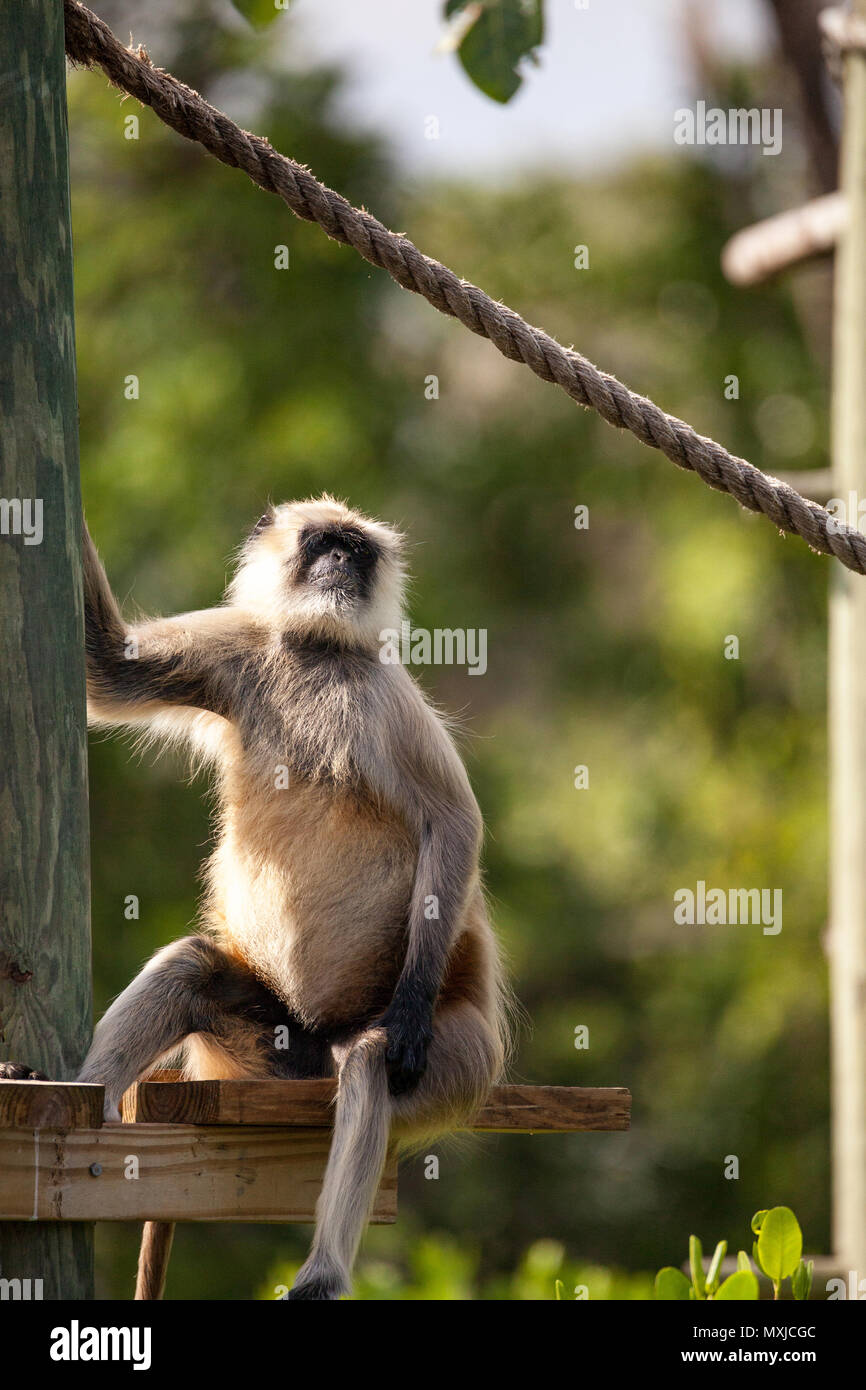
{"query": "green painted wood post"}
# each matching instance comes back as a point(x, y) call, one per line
point(45, 987)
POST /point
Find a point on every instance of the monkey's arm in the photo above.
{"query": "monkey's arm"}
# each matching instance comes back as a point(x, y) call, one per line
point(136, 671)
point(446, 813)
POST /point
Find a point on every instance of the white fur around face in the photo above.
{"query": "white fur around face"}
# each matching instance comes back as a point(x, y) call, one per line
point(264, 586)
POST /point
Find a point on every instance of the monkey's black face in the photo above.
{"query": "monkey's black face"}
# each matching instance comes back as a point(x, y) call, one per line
point(337, 560)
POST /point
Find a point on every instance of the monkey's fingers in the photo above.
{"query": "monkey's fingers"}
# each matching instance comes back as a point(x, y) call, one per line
point(406, 1063)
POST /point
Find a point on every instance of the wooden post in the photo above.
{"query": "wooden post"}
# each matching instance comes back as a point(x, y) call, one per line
point(45, 1001)
point(847, 703)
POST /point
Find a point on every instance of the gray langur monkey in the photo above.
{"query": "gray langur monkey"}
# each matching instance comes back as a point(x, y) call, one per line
point(343, 900)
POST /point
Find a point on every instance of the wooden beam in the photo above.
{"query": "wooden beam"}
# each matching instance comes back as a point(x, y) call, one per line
point(50, 1105)
point(762, 250)
point(218, 1150)
point(296, 1105)
point(513, 1109)
point(155, 1172)
point(554, 1109)
point(45, 1001)
point(847, 702)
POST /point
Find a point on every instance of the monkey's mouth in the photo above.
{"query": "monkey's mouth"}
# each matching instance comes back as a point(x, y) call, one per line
point(337, 580)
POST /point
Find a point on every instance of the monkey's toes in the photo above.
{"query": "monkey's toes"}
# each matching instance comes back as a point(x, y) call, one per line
point(19, 1071)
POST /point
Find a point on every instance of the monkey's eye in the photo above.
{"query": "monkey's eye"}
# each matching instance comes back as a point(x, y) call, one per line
point(358, 546)
point(363, 553)
point(321, 544)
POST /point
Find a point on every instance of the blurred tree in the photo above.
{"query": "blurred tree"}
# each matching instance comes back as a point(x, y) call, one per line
point(799, 36)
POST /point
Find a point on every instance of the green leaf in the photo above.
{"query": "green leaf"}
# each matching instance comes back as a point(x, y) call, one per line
point(757, 1221)
point(742, 1286)
point(716, 1264)
point(559, 1287)
point(780, 1243)
point(755, 1256)
point(743, 1261)
point(801, 1279)
point(501, 35)
point(259, 13)
point(672, 1285)
point(696, 1256)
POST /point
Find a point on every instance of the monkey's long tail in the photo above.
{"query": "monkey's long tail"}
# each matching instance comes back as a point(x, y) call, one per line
point(357, 1157)
point(156, 1239)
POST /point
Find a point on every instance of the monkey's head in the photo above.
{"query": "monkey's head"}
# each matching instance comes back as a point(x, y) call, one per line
point(322, 571)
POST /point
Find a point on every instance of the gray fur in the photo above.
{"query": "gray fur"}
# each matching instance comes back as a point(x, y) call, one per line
point(316, 897)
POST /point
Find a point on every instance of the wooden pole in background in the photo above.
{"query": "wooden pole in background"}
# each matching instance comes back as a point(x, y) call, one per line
point(45, 985)
point(847, 703)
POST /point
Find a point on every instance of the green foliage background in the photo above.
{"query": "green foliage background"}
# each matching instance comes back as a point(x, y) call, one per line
point(605, 645)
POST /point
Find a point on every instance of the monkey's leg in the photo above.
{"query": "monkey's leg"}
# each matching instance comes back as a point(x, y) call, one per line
point(193, 989)
point(463, 1061)
point(191, 986)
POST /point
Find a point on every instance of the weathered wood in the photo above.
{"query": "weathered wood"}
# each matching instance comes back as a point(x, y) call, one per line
point(517, 1109)
point(50, 1105)
point(294, 1104)
point(847, 703)
point(218, 1150)
point(299, 1104)
point(555, 1109)
point(184, 1173)
point(157, 1238)
point(45, 1002)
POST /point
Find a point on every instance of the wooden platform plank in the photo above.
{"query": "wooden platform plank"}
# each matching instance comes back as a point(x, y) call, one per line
point(50, 1105)
point(303, 1104)
point(519, 1109)
point(555, 1109)
point(184, 1173)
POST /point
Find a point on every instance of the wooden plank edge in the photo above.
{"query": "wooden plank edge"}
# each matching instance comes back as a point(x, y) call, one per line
point(152, 1172)
point(51, 1105)
point(514, 1109)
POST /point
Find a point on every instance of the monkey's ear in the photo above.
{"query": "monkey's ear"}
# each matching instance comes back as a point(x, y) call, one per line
point(265, 520)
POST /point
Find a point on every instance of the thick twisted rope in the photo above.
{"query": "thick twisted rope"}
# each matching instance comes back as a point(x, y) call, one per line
point(90, 43)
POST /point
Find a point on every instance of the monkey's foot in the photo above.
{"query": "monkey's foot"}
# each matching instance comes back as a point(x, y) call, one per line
point(19, 1071)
